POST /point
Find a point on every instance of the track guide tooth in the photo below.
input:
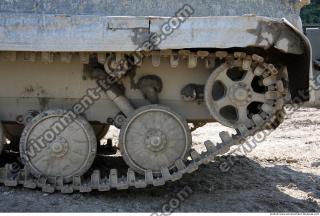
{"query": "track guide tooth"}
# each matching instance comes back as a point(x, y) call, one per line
point(192, 61)
point(149, 177)
point(156, 59)
point(210, 146)
point(267, 108)
point(210, 61)
point(247, 61)
point(165, 174)
point(195, 155)
point(76, 182)
point(95, 179)
point(131, 176)
point(174, 60)
point(225, 137)
point(258, 120)
point(113, 177)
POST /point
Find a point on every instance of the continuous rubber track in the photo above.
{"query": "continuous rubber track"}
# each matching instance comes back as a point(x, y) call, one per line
point(97, 179)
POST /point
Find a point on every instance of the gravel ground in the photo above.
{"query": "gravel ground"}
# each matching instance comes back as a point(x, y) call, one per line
point(281, 174)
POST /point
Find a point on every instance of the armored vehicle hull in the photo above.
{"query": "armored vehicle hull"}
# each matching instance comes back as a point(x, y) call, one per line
point(157, 70)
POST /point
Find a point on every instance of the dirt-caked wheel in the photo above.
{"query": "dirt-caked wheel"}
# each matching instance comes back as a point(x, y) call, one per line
point(154, 137)
point(58, 144)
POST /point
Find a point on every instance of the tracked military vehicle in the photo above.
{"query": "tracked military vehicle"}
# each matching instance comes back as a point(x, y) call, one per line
point(157, 70)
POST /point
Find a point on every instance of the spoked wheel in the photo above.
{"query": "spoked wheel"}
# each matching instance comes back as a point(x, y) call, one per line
point(240, 89)
point(153, 138)
point(54, 144)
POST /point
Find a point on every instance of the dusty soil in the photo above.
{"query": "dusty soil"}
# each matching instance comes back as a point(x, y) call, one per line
point(281, 174)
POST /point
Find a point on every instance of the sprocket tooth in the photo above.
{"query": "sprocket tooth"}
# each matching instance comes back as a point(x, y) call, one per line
point(280, 104)
point(258, 120)
point(271, 80)
point(192, 61)
point(267, 108)
point(174, 60)
point(280, 86)
point(273, 95)
point(210, 61)
point(259, 71)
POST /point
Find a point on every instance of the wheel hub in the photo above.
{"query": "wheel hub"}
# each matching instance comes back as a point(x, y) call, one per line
point(59, 147)
point(240, 94)
point(155, 140)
